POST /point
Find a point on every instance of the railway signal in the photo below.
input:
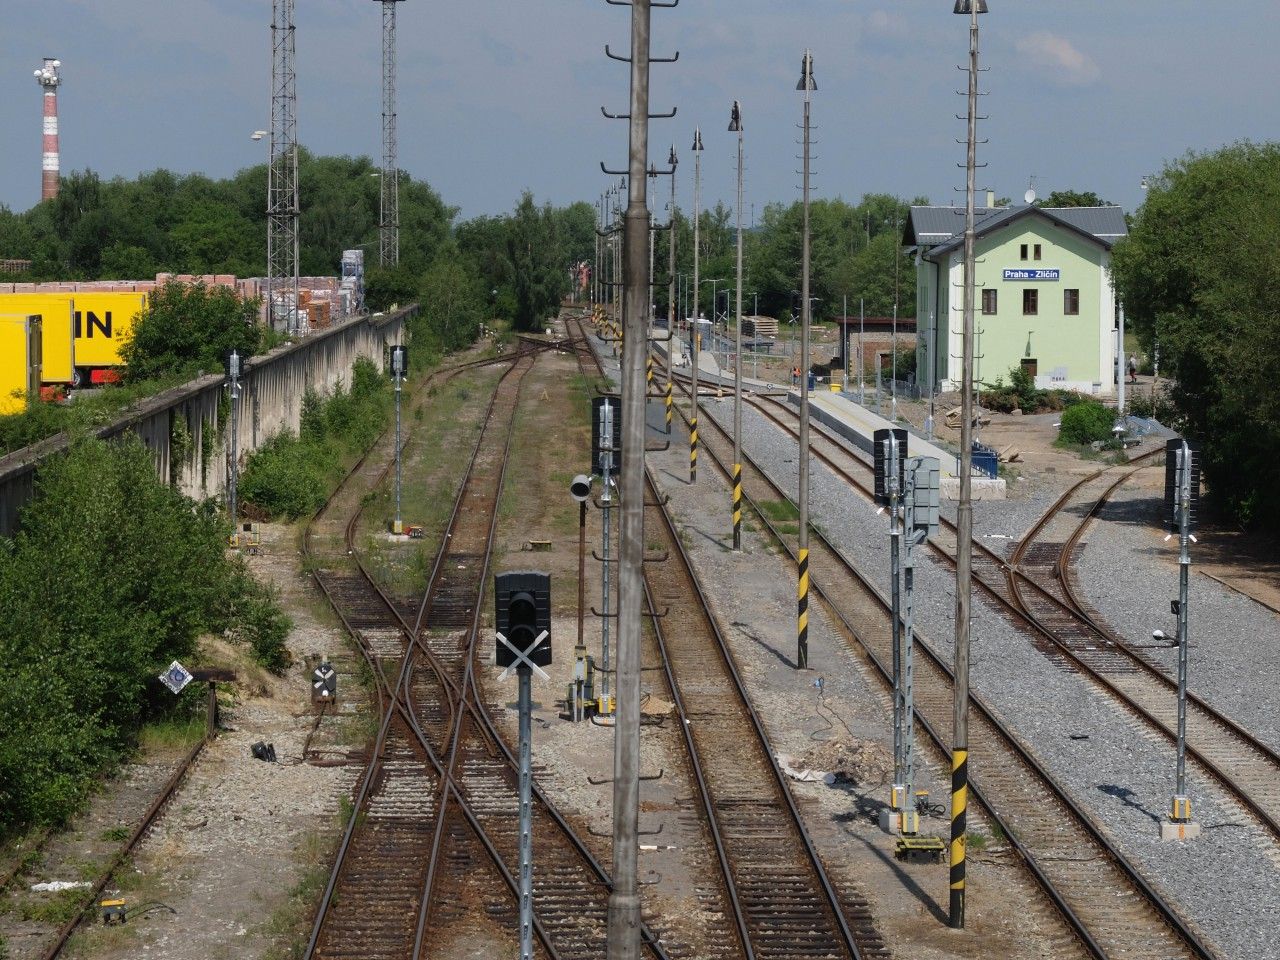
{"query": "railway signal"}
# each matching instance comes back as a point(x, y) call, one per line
point(921, 507)
point(606, 459)
point(399, 369)
point(522, 620)
point(1182, 497)
point(583, 665)
point(324, 683)
point(233, 361)
point(735, 126)
point(890, 451)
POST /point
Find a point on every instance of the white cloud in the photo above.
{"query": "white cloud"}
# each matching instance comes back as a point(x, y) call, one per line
point(1066, 64)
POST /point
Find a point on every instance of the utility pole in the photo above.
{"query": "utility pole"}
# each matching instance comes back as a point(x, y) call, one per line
point(695, 333)
point(624, 900)
point(674, 161)
point(862, 348)
point(389, 219)
point(802, 586)
point(282, 173)
point(735, 126)
point(964, 511)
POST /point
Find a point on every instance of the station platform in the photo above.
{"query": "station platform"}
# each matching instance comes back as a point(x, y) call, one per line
point(858, 425)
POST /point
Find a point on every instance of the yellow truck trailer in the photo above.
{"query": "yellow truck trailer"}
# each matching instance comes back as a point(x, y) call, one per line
point(98, 324)
point(57, 331)
point(19, 361)
point(103, 322)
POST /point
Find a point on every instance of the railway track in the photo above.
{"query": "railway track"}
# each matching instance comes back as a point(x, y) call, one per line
point(142, 828)
point(444, 820)
point(782, 901)
point(1062, 846)
point(1034, 591)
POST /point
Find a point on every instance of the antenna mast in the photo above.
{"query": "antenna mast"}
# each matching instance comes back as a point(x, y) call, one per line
point(389, 210)
point(282, 173)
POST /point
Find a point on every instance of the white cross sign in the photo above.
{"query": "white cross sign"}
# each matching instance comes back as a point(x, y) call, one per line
point(522, 656)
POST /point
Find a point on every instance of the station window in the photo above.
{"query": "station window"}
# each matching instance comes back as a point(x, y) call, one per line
point(1030, 302)
point(1037, 251)
point(1023, 251)
point(1071, 302)
point(989, 301)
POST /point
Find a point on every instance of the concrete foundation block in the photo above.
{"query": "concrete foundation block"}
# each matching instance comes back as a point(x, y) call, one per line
point(1179, 831)
point(891, 821)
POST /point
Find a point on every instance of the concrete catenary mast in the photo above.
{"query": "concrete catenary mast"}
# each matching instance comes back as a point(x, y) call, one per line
point(389, 216)
point(282, 174)
point(49, 80)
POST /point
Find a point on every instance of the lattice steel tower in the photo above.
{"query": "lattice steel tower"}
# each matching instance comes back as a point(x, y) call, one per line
point(282, 174)
point(389, 211)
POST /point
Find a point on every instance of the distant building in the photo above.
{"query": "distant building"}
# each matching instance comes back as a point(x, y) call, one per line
point(1044, 298)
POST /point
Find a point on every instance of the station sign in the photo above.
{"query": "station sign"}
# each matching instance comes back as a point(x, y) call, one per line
point(1046, 273)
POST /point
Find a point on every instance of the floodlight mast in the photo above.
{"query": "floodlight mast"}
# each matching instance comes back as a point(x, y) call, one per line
point(282, 172)
point(389, 205)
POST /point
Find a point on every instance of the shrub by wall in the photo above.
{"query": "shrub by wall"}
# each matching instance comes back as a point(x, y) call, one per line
point(1085, 423)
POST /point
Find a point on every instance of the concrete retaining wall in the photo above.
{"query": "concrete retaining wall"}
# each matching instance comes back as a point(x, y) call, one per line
point(182, 426)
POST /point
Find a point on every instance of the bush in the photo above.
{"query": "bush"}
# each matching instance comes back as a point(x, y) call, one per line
point(1084, 423)
point(186, 328)
point(111, 576)
point(253, 617)
point(289, 476)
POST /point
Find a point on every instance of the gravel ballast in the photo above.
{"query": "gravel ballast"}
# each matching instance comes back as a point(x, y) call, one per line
point(1227, 881)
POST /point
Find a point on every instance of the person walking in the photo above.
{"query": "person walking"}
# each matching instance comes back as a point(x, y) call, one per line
point(1133, 368)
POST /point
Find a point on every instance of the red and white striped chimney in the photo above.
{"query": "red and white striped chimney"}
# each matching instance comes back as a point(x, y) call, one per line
point(48, 78)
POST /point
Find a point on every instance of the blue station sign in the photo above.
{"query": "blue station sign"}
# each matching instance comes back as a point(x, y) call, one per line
point(1035, 274)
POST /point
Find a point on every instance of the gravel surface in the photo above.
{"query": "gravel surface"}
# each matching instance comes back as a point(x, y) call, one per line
point(1228, 881)
point(1129, 573)
point(754, 595)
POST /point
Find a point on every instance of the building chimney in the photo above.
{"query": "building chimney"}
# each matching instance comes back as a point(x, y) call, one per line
point(47, 77)
point(991, 199)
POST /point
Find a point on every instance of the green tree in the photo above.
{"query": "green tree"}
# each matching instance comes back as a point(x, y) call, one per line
point(1199, 278)
point(111, 577)
point(1073, 198)
point(189, 327)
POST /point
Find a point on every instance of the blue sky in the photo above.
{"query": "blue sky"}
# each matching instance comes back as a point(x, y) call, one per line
point(497, 96)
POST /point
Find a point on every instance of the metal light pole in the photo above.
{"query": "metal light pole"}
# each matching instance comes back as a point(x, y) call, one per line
point(893, 381)
point(695, 330)
point(624, 900)
point(714, 317)
point(802, 584)
point(964, 511)
point(671, 287)
point(862, 349)
point(735, 126)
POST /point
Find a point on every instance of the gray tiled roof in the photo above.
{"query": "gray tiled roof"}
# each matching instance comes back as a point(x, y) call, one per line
point(942, 228)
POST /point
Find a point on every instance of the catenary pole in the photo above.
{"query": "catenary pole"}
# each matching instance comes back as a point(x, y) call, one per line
point(964, 512)
point(802, 580)
point(735, 126)
point(624, 900)
point(673, 160)
point(695, 329)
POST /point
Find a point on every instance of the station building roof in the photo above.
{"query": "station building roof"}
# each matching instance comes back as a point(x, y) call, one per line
point(941, 229)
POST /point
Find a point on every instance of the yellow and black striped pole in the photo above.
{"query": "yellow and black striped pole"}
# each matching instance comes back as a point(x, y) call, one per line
point(802, 610)
point(670, 399)
point(737, 506)
point(648, 376)
point(959, 819)
point(693, 445)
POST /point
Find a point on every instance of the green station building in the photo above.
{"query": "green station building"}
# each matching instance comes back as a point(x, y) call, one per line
point(1044, 298)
